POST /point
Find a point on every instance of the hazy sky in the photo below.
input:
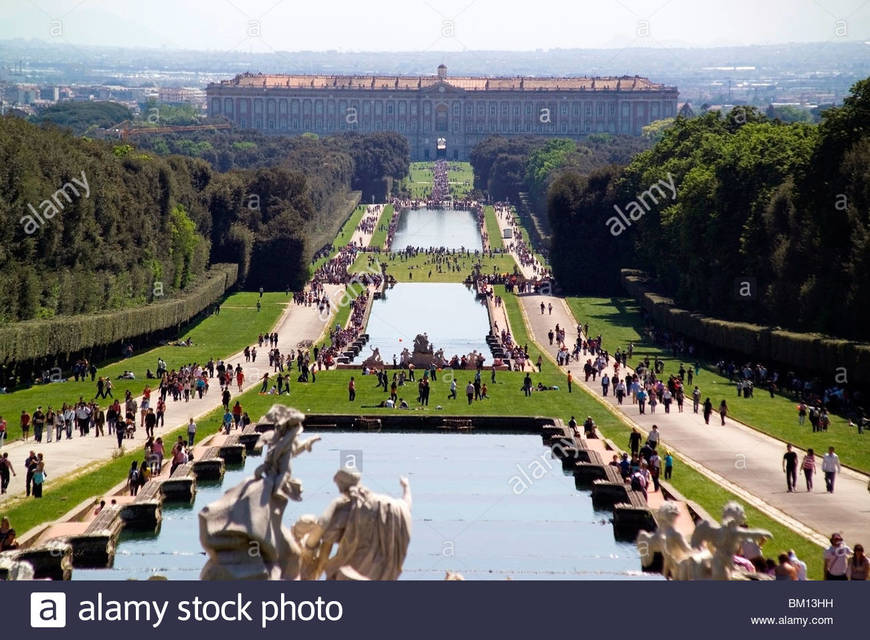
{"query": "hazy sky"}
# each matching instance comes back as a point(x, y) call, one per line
point(432, 25)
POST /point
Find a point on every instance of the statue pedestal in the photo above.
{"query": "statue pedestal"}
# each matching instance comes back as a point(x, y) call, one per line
point(422, 360)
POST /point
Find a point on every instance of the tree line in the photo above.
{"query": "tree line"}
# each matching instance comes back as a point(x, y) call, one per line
point(148, 226)
point(769, 221)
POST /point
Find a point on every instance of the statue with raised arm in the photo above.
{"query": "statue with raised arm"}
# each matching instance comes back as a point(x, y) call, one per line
point(374, 360)
point(371, 531)
point(669, 542)
point(724, 541)
point(242, 531)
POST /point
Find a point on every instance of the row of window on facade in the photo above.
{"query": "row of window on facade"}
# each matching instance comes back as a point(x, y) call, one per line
point(308, 106)
point(319, 125)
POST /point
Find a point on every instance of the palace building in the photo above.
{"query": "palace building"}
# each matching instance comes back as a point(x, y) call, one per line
point(441, 116)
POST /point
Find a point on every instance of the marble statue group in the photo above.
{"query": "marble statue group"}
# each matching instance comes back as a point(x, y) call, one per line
point(709, 555)
point(244, 536)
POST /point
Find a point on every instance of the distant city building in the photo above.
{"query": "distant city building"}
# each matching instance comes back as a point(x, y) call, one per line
point(441, 116)
point(180, 95)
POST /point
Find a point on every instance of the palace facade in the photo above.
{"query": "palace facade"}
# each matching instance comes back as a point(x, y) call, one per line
point(441, 116)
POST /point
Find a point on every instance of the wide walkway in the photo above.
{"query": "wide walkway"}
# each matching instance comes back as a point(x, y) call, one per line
point(298, 326)
point(749, 461)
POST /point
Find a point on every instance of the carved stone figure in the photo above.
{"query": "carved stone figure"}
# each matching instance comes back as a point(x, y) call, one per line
point(666, 540)
point(13, 569)
point(374, 360)
point(372, 532)
point(421, 343)
point(439, 359)
point(406, 356)
point(725, 540)
point(712, 550)
point(242, 531)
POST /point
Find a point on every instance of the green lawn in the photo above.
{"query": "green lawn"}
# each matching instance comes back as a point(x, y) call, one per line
point(492, 230)
point(419, 180)
point(417, 268)
point(460, 179)
point(217, 336)
point(618, 320)
point(379, 237)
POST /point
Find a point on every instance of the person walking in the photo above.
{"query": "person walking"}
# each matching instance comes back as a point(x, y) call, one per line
point(634, 441)
point(669, 465)
point(696, 399)
point(570, 380)
point(789, 467)
point(133, 478)
point(191, 432)
point(859, 565)
point(708, 410)
point(450, 396)
point(30, 466)
point(836, 558)
point(469, 391)
point(830, 467)
point(5, 470)
point(723, 411)
point(809, 467)
point(25, 424)
point(38, 477)
point(351, 390)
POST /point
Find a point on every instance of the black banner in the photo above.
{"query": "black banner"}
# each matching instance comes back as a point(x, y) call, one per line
point(450, 609)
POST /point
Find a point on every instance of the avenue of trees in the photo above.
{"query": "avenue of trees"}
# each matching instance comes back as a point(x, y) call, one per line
point(783, 206)
point(149, 226)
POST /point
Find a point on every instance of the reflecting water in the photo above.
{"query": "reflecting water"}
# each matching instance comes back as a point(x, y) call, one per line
point(471, 511)
point(454, 319)
point(437, 228)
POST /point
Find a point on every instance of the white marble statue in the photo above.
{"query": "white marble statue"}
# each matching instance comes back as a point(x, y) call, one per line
point(371, 530)
point(666, 540)
point(242, 531)
point(711, 553)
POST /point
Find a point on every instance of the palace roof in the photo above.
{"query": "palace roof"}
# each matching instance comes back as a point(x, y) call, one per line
point(466, 83)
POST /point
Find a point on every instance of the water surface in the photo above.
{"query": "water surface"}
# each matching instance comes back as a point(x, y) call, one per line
point(472, 511)
point(449, 313)
point(437, 228)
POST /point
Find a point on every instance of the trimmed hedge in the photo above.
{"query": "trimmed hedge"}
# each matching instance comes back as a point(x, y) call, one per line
point(64, 335)
point(817, 352)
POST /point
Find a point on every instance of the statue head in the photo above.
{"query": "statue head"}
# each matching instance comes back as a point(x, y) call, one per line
point(668, 513)
point(346, 478)
point(733, 512)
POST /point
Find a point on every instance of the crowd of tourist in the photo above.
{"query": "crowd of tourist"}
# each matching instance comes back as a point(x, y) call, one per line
point(518, 245)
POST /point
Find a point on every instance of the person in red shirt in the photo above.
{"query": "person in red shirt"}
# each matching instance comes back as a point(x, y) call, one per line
point(237, 413)
point(25, 424)
point(240, 379)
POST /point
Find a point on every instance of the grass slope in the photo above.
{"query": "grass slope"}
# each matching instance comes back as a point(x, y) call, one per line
point(417, 268)
point(492, 230)
point(379, 237)
point(217, 336)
